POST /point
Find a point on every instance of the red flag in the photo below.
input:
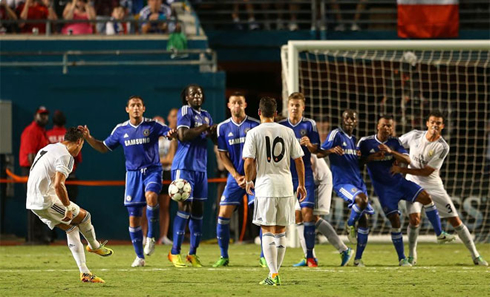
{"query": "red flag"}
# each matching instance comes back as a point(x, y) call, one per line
point(428, 18)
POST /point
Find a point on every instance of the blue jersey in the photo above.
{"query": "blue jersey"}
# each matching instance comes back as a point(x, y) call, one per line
point(305, 127)
point(379, 170)
point(345, 168)
point(231, 137)
point(192, 155)
point(140, 143)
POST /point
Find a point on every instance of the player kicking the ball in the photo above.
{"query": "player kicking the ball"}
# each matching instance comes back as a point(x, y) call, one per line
point(48, 199)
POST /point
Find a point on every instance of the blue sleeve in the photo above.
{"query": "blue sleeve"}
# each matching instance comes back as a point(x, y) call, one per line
point(221, 138)
point(184, 119)
point(161, 129)
point(112, 141)
point(314, 137)
point(399, 147)
point(330, 141)
point(362, 146)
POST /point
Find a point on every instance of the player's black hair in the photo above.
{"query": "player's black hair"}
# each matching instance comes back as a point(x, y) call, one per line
point(135, 97)
point(185, 91)
point(59, 118)
point(73, 134)
point(268, 106)
point(236, 94)
point(386, 117)
point(437, 114)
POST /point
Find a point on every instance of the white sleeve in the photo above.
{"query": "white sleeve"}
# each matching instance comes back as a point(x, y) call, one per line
point(296, 150)
point(64, 164)
point(438, 156)
point(249, 149)
point(406, 138)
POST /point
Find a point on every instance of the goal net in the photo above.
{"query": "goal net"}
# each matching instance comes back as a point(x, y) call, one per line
point(406, 79)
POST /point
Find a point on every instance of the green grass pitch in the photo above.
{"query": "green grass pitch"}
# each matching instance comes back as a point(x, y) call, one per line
point(443, 270)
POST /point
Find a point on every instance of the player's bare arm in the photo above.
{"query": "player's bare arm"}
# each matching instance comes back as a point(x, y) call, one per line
point(300, 169)
point(335, 150)
point(426, 171)
point(212, 133)
point(240, 179)
point(188, 134)
point(95, 143)
point(249, 168)
point(403, 158)
point(60, 189)
point(172, 134)
point(305, 140)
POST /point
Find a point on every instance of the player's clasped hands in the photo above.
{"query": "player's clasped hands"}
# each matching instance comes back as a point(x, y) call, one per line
point(240, 180)
point(395, 169)
point(383, 147)
point(249, 186)
point(301, 193)
point(305, 140)
point(337, 150)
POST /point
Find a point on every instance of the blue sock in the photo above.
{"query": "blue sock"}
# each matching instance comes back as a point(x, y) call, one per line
point(195, 227)
point(309, 234)
point(362, 238)
point(223, 234)
point(180, 222)
point(136, 235)
point(152, 215)
point(433, 216)
point(261, 249)
point(355, 214)
point(397, 238)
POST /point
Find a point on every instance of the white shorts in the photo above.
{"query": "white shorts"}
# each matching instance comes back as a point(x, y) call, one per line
point(274, 211)
point(441, 199)
point(53, 215)
point(323, 200)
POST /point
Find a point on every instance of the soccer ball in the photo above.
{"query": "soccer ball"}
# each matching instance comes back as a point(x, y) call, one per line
point(179, 190)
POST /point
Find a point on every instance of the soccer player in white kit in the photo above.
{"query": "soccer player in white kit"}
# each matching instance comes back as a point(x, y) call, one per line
point(267, 152)
point(48, 199)
point(427, 151)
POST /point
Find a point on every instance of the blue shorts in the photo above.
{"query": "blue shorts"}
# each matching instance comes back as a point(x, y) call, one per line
point(348, 192)
point(310, 192)
point(389, 196)
point(233, 194)
point(140, 181)
point(198, 181)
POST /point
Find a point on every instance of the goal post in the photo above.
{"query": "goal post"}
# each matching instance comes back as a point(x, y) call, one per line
point(406, 79)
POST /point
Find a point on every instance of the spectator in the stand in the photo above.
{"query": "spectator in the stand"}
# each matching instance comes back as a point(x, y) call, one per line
point(6, 13)
point(57, 134)
point(156, 14)
point(79, 10)
point(103, 11)
point(361, 5)
point(293, 8)
point(116, 26)
point(252, 24)
point(33, 139)
point(35, 10)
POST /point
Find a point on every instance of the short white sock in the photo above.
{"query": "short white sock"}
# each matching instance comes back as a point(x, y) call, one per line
point(88, 232)
point(413, 234)
point(467, 239)
point(76, 248)
point(270, 251)
point(280, 240)
point(301, 234)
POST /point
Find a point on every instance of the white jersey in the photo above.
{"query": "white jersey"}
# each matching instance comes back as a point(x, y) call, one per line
point(272, 146)
point(425, 153)
point(40, 185)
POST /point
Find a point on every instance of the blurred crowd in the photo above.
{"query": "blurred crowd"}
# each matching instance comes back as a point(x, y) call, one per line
point(107, 17)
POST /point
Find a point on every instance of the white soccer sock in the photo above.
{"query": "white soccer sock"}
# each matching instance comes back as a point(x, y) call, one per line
point(301, 233)
point(467, 239)
point(329, 232)
point(88, 232)
point(76, 248)
point(280, 240)
point(413, 233)
point(270, 251)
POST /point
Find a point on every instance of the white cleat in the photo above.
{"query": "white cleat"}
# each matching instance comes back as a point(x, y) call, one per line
point(165, 240)
point(149, 246)
point(412, 260)
point(351, 234)
point(480, 261)
point(138, 262)
point(404, 263)
point(359, 263)
point(445, 237)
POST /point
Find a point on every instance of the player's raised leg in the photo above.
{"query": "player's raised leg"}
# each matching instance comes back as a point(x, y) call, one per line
point(329, 232)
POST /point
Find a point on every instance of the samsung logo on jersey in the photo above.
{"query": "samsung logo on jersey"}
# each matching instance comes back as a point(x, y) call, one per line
point(236, 140)
point(350, 152)
point(136, 141)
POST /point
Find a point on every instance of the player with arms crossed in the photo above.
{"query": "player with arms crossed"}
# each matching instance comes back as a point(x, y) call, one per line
point(139, 138)
point(194, 127)
point(307, 134)
point(267, 152)
point(231, 137)
point(380, 152)
point(48, 199)
point(428, 149)
point(340, 146)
